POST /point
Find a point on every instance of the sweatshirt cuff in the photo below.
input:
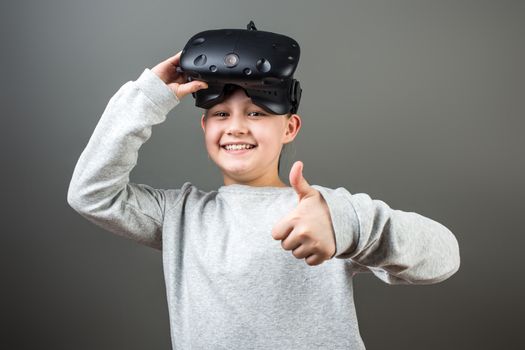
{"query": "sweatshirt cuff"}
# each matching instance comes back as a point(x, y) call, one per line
point(157, 91)
point(345, 221)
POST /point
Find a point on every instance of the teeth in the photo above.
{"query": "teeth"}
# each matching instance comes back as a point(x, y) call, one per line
point(238, 147)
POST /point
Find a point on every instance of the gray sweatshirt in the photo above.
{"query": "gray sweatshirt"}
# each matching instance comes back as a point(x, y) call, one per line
point(229, 284)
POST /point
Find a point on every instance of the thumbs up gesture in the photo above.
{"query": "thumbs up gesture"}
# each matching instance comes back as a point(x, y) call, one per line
point(307, 231)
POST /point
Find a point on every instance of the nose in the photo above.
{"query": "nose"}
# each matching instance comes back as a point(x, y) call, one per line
point(236, 125)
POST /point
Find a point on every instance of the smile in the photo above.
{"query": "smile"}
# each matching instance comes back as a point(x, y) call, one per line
point(238, 146)
point(238, 149)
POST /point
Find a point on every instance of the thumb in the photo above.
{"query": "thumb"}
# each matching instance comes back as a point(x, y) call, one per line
point(184, 89)
point(298, 182)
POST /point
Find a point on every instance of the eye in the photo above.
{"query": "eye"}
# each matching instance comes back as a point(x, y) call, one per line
point(220, 114)
point(258, 114)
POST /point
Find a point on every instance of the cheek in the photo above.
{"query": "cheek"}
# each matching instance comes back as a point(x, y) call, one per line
point(211, 136)
point(271, 134)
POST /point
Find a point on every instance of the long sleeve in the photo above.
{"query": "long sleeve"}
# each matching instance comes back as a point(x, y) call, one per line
point(100, 189)
point(398, 247)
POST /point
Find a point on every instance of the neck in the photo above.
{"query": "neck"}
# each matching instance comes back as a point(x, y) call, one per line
point(276, 182)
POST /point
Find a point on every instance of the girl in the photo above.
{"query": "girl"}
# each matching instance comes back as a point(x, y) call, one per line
point(255, 264)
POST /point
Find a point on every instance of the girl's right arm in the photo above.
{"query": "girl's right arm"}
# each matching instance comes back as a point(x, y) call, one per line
point(100, 189)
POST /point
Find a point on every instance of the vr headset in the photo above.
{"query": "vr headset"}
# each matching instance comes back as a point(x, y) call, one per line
point(263, 63)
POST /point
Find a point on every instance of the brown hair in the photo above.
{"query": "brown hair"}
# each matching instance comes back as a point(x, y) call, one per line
point(282, 150)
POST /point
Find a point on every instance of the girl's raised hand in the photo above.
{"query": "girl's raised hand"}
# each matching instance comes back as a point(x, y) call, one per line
point(167, 71)
point(307, 230)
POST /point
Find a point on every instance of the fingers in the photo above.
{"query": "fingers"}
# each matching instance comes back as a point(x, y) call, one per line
point(167, 69)
point(171, 65)
point(289, 233)
point(294, 240)
point(298, 182)
point(175, 59)
point(314, 260)
point(282, 228)
point(301, 252)
point(296, 172)
point(188, 88)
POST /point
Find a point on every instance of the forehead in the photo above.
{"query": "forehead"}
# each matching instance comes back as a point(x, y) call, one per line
point(236, 98)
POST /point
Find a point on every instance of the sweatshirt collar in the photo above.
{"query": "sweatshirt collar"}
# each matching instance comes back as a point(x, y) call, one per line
point(238, 188)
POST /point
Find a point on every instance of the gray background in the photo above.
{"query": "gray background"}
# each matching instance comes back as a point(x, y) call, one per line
point(417, 103)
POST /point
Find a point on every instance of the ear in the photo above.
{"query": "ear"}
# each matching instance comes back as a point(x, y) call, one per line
point(203, 122)
point(293, 125)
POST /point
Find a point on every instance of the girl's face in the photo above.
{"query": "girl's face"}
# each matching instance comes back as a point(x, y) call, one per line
point(238, 121)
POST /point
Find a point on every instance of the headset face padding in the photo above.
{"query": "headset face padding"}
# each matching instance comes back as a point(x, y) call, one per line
point(262, 63)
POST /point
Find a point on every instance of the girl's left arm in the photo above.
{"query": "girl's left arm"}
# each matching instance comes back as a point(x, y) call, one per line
point(398, 247)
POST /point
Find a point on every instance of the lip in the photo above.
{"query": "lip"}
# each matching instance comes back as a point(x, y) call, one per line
point(238, 151)
point(237, 143)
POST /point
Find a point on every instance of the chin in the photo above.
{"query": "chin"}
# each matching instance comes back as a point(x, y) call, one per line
point(237, 172)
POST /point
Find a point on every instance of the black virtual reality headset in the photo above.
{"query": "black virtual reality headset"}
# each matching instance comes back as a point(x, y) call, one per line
point(263, 63)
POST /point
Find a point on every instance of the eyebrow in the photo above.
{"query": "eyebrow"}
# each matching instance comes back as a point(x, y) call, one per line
point(224, 104)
